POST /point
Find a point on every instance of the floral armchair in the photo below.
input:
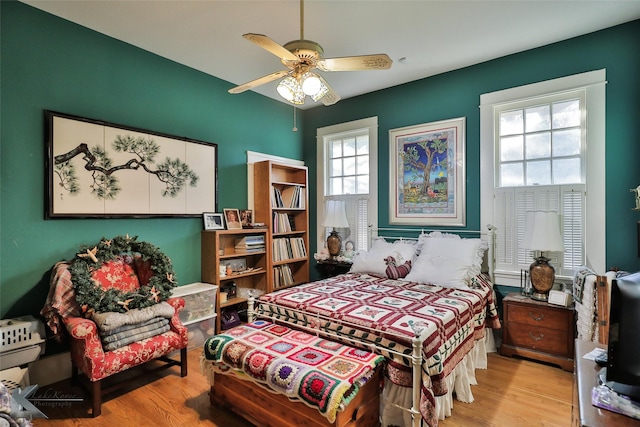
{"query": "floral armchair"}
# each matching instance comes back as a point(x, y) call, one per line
point(143, 325)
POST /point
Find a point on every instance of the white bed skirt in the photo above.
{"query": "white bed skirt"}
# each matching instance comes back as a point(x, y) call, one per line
point(458, 381)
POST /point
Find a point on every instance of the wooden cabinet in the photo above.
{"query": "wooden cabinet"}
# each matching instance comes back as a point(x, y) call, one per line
point(281, 201)
point(248, 266)
point(538, 330)
point(331, 268)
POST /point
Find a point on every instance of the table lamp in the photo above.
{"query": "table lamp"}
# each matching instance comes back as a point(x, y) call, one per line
point(335, 216)
point(542, 233)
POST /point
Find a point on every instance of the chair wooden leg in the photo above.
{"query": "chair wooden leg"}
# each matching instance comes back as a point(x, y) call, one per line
point(96, 395)
point(183, 362)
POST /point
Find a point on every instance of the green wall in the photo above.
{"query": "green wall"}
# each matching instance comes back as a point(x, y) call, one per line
point(457, 94)
point(50, 63)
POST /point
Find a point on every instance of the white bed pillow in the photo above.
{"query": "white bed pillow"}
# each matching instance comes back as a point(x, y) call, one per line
point(445, 272)
point(448, 262)
point(433, 235)
point(372, 261)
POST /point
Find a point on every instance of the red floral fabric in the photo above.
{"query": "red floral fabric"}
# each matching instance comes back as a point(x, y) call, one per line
point(117, 274)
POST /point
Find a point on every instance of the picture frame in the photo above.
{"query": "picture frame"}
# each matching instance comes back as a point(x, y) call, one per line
point(435, 150)
point(212, 221)
point(237, 264)
point(246, 217)
point(232, 219)
point(97, 169)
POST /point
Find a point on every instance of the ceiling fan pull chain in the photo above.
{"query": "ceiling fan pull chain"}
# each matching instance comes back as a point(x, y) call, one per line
point(295, 128)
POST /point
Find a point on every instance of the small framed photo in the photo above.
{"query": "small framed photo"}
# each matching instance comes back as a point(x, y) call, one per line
point(232, 218)
point(246, 216)
point(212, 221)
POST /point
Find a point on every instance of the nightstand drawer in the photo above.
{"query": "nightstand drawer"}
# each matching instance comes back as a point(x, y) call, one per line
point(540, 339)
point(538, 316)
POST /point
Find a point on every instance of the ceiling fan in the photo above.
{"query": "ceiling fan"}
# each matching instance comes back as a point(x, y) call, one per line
point(301, 57)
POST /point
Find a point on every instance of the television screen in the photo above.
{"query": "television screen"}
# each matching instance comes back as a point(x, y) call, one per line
point(623, 352)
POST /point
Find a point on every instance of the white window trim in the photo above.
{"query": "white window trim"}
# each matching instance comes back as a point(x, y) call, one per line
point(371, 124)
point(594, 82)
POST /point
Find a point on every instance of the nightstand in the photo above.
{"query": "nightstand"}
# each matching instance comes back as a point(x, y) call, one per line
point(331, 268)
point(538, 330)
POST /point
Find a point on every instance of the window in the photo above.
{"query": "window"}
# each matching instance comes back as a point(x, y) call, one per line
point(534, 143)
point(347, 159)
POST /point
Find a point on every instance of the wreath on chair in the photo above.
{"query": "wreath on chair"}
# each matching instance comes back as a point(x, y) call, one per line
point(92, 297)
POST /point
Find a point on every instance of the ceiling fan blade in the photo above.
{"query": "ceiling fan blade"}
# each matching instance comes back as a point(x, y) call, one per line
point(258, 82)
point(271, 46)
point(330, 97)
point(356, 63)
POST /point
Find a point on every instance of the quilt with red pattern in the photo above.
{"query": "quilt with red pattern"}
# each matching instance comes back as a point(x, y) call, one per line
point(372, 311)
point(323, 374)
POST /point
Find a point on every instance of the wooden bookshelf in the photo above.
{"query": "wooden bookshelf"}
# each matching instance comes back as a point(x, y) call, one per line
point(218, 248)
point(281, 200)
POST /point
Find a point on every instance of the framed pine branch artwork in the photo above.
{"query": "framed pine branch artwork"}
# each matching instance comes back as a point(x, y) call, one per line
point(96, 169)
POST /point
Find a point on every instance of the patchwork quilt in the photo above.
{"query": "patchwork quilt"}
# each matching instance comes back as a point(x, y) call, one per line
point(323, 374)
point(369, 310)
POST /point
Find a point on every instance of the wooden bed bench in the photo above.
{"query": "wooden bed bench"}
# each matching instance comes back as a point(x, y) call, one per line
point(276, 376)
point(264, 408)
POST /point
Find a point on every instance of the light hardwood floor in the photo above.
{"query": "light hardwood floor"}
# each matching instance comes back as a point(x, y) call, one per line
point(511, 393)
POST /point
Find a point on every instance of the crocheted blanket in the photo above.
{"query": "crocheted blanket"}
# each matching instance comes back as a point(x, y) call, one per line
point(370, 310)
point(323, 374)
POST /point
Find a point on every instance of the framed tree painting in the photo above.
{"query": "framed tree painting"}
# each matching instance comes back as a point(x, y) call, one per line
point(100, 169)
point(427, 182)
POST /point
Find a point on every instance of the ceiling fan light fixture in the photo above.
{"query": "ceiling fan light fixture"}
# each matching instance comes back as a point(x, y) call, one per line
point(311, 84)
point(289, 88)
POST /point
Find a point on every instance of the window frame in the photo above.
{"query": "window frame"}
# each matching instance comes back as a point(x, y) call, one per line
point(594, 85)
point(323, 136)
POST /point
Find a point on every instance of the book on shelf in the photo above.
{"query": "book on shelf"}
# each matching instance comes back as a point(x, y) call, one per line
point(250, 240)
point(293, 197)
point(250, 244)
point(282, 276)
point(276, 198)
point(289, 197)
point(288, 248)
point(283, 223)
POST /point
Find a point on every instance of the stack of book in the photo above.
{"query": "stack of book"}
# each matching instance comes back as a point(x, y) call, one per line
point(288, 248)
point(289, 197)
point(282, 223)
point(250, 244)
point(282, 276)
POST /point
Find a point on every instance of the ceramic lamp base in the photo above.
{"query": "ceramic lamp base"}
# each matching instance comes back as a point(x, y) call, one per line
point(334, 244)
point(542, 277)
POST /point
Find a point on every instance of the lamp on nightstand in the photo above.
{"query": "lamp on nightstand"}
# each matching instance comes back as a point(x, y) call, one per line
point(542, 233)
point(335, 216)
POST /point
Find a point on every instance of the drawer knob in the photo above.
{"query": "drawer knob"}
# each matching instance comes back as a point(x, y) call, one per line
point(536, 316)
point(536, 337)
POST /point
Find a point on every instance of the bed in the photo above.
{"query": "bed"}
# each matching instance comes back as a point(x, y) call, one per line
point(433, 336)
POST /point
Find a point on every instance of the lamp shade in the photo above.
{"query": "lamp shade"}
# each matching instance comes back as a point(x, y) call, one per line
point(335, 215)
point(542, 232)
point(289, 88)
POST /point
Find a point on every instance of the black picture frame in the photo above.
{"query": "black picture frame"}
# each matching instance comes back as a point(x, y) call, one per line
point(212, 221)
point(97, 169)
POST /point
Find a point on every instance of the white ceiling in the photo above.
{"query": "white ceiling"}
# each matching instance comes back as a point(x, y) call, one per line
point(423, 38)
